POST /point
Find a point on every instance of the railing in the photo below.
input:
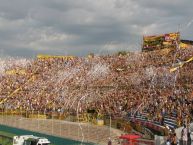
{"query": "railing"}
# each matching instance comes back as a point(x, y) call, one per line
point(145, 142)
point(137, 142)
point(147, 133)
point(49, 123)
point(137, 124)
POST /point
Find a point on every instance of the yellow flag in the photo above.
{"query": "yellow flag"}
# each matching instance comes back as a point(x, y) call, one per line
point(189, 59)
point(180, 65)
point(173, 69)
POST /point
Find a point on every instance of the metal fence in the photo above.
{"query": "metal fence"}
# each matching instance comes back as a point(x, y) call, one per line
point(82, 128)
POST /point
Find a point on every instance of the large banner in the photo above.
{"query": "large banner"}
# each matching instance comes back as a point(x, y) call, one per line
point(43, 56)
point(16, 71)
point(160, 41)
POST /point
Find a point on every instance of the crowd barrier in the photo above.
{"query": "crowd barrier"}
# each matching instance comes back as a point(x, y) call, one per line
point(84, 117)
point(35, 114)
point(156, 129)
point(39, 116)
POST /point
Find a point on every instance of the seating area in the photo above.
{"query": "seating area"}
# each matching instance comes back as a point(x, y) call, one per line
point(140, 84)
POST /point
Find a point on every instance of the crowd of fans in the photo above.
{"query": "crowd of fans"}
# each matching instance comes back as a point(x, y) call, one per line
point(113, 84)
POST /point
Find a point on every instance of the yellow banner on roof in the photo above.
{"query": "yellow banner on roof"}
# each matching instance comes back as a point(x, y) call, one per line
point(173, 35)
point(157, 42)
point(43, 56)
point(184, 45)
point(165, 37)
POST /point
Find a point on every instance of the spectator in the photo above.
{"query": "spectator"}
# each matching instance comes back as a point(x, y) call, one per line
point(184, 135)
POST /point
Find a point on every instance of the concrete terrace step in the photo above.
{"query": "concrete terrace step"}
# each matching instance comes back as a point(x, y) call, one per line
point(171, 123)
point(151, 122)
point(141, 117)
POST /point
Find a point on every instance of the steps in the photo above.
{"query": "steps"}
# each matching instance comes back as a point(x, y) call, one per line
point(171, 122)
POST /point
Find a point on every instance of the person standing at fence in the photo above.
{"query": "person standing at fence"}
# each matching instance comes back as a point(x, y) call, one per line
point(168, 142)
point(191, 135)
point(109, 142)
point(174, 139)
point(184, 135)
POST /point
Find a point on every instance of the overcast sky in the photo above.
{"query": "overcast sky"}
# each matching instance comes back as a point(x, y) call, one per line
point(79, 27)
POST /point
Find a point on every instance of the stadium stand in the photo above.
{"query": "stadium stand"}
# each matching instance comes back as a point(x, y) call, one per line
point(139, 85)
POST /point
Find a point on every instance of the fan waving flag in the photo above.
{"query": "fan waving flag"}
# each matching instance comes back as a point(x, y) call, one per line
point(180, 64)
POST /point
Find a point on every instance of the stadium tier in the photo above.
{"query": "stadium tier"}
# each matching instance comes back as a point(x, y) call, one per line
point(138, 85)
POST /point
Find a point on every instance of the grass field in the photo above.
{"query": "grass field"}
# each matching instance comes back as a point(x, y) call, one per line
point(6, 138)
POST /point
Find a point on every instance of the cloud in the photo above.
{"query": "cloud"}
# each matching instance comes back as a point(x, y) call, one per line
point(79, 27)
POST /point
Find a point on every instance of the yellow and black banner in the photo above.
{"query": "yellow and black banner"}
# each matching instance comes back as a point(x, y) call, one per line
point(44, 56)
